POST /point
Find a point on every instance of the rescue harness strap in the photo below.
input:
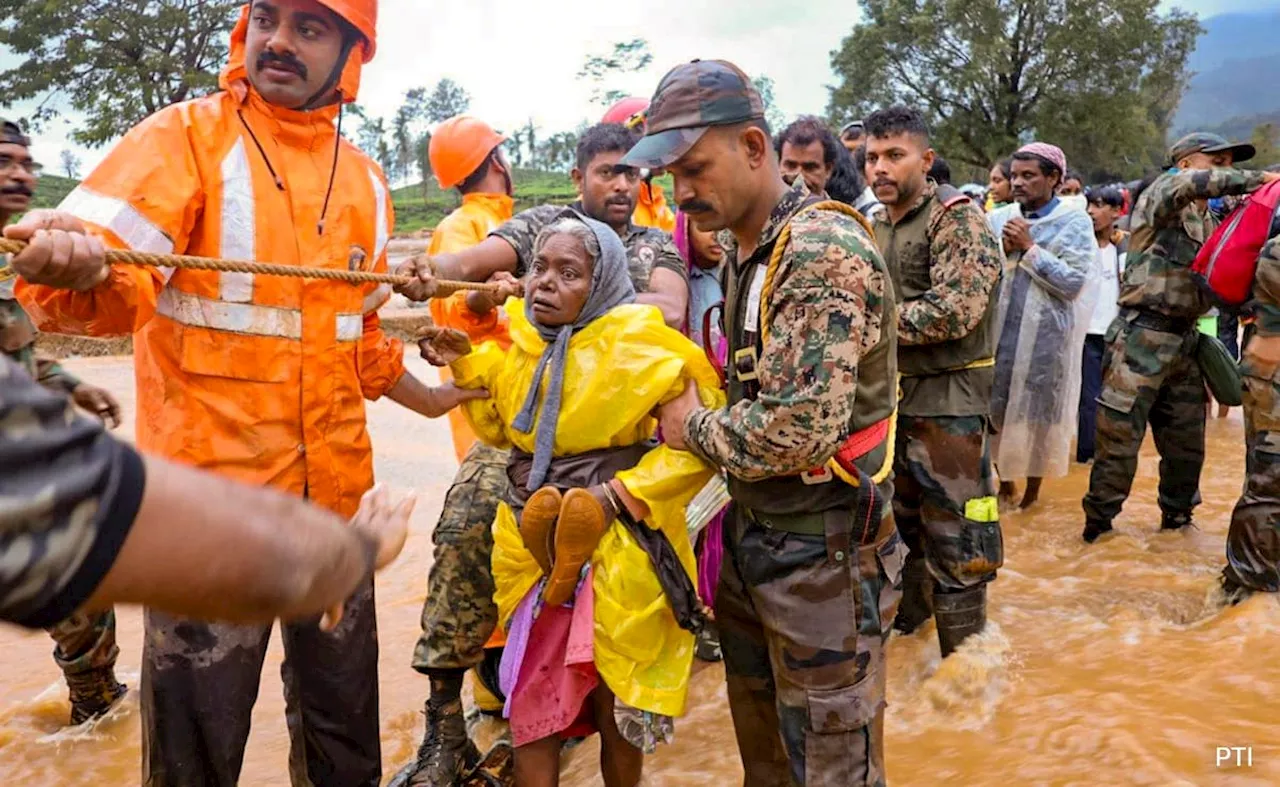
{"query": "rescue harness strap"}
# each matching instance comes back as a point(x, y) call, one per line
point(444, 289)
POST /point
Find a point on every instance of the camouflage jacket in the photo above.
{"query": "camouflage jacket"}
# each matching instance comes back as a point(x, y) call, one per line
point(827, 313)
point(1266, 289)
point(71, 494)
point(1167, 230)
point(647, 248)
point(946, 267)
point(18, 340)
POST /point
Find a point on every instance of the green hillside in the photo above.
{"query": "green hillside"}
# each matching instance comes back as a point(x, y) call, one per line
point(414, 210)
point(50, 190)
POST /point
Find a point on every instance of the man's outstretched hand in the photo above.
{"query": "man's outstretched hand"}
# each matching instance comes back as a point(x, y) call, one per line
point(384, 523)
point(442, 346)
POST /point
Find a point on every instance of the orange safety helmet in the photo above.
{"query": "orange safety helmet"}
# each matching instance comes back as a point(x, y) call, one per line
point(625, 110)
point(458, 147)
point(363, 16)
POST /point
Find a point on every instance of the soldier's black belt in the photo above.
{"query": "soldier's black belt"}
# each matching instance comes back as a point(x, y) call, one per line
point(1163, 323)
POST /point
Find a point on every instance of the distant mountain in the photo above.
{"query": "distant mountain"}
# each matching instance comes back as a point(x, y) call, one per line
point(1237, 65)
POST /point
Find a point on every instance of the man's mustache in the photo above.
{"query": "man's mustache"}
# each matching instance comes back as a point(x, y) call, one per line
point(695, 206)
point(883, 182)
point(288, 62)
point(17, 189)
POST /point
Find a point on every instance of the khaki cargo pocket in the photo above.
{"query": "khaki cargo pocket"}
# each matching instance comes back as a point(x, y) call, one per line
point(839, 746)
point(891, 558)
point(1262, 403)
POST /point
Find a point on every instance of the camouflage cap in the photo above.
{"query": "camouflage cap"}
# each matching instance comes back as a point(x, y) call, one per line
point(1204, 142)
point(11, 134)
point(690, 99)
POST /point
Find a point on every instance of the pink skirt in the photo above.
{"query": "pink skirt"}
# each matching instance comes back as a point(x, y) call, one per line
point(556, 672)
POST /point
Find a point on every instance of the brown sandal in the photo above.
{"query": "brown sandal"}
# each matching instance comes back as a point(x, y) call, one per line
point(538, 522)
point(582, 523)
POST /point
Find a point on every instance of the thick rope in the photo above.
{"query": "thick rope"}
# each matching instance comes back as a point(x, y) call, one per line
point(444, 288)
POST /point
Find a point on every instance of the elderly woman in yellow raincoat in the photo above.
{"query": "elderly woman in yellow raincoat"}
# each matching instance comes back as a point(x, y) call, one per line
point(594, 537)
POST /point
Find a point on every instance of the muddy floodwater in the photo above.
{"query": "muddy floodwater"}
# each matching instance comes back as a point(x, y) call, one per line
point(1105, 665)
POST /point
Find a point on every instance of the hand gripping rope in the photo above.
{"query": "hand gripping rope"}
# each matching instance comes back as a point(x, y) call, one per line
point(444, 288)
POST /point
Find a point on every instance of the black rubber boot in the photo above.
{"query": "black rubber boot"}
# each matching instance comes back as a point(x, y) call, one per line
point(959, 615)
point(92, 693)
point(1094, 530)
point(707, 644)
point(446, 753)
point(916, 605)
point(1176, 521)
point(1233, 592)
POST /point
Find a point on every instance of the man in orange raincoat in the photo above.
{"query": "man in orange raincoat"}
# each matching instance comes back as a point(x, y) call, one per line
point(459, 618)
point(259, 378)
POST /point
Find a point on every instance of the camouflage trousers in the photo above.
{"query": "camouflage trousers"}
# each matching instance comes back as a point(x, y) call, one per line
point(86, 642)
point(1149, 377)
point(459, 615)
point(200, 683)
point(803, 626)
point(944, 499)
point(1253, 540)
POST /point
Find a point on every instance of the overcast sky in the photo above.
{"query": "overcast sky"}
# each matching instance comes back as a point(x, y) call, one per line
point(519, 60)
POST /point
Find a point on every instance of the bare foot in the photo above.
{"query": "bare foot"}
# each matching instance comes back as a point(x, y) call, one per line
point(1008, 491)
point(1032, 494)
point(1223, 410)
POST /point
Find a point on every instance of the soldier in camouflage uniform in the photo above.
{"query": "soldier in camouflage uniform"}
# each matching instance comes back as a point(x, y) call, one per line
point(946, 268)
point(812, 571)
point(1150, 372)
point(1253, 540)
point(459, 614)
point(85, 643)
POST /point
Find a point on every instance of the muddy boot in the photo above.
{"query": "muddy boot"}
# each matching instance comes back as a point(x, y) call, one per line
point(446, 753)
point(93, 692)
point(707, 644)
point(1233, 592)
point(1175, 521)
point(1093, 530)
point(497, 769)
point(917, 597)
point(959, 615)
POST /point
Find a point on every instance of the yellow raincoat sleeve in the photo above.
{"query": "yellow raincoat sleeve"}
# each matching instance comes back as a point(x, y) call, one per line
point(482, 368)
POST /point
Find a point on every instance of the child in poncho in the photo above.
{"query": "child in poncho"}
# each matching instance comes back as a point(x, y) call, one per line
point(592, 560)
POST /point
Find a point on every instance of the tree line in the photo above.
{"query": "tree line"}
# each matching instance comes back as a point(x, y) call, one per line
point(1100, 80)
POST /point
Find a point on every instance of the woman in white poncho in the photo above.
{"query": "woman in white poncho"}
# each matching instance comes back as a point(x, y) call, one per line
point(1049, 290)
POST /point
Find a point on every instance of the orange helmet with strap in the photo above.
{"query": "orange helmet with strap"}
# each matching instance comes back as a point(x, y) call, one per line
point(458, 147)
point(626, 110)
point(363, 16)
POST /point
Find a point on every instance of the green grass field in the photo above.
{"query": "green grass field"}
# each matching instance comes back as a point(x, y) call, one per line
point(414, 210)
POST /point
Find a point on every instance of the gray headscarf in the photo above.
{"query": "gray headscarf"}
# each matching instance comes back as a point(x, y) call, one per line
point(610, 286)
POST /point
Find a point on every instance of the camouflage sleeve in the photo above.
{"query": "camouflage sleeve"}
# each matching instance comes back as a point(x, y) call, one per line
point(50, 374)
point(823, 317)
point(1266, 289)
point(966, 266)
point(1177, 190)
point(522, 229)
point(667, 256)
point(71, 493)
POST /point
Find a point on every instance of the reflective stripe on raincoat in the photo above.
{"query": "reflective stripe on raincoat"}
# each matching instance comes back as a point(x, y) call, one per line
point(619, 368)
point(471, 223)
point(260, 378)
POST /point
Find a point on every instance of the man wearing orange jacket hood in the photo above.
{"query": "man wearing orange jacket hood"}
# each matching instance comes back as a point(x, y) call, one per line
point(259, 378)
